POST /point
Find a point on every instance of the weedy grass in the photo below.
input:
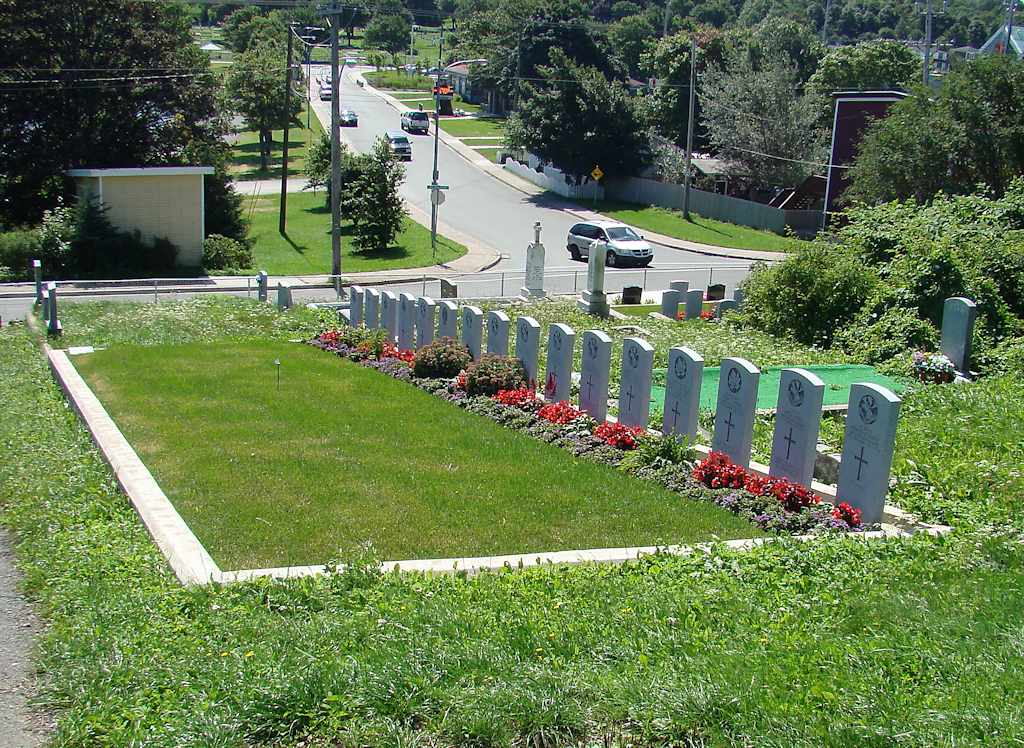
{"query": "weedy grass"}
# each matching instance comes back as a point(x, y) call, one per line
point(340, 456)
point(836, 643)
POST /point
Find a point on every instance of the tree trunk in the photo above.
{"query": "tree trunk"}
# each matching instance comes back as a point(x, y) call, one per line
point(265, 140)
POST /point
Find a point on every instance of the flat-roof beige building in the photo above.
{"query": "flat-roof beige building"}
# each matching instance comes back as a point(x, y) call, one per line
point(161, 201)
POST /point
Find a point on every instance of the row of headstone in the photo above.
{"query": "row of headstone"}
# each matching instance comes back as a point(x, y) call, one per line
point(679, 292)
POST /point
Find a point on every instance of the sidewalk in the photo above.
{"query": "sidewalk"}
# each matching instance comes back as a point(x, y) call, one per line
point(528, 188)
point(268, 186)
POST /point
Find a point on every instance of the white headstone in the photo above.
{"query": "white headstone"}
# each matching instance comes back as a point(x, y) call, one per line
point(958, 315)
point(284, 295)
point(694, 303)
point(867, 449)
point(447, 319)
point(594, 300)
point(426, 309)
point(797, 420)
point(670, 303)
point(681, 286)
point(534, 281)
point(635, 384)
point(595, 366)
point(473, 330)
point(528, 347)
point(558, 377)
point(498, 325)
point(389, 313)
point(734, 414)
point(406, 322)
point(683, 379)
point(262, 283)
point(355, 305)
point(371, 308)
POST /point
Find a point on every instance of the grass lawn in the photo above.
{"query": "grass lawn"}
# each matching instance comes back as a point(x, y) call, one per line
point(343, 455)
point(307, 248)
point(473, 126)
point(911, 642)
point(698, 229)
point(391, 80)
point(245, 151)
point(490, 153)
point(642, 310)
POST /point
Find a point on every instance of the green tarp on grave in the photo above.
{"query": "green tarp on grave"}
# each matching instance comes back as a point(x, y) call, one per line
point(837, 379)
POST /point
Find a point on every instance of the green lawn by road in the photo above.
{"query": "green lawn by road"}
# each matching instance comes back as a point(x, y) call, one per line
point(245, 151)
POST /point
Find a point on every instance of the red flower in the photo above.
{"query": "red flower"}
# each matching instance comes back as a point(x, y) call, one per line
point(561, 412)
point(617, 435)
point(718, 471)
point(847, 513)
point(517, 398)
point(707, 316)
point(460, 380)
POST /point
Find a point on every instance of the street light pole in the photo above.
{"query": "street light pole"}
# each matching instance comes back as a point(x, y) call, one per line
point(689, 127)
point(333, 12)
point(283, 209)
point(437, 127)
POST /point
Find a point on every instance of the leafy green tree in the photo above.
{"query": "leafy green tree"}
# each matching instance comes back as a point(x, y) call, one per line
point(389, 33)
point(874, 65)
point(156, 107)
point(629, 38)
point(576, 119)
point(624, 9)
point(971, 133)
point(757, 119)
point(250, 25)
point(255, 86)
point(372, 201)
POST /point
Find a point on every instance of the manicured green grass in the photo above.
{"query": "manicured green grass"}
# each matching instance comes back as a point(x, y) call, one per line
point(834, 643)
point(490, 153)
point(307, 247)
point(392, 80)
point(472, 126)
point(245, 153)
point(698, 229)
point(341, 455)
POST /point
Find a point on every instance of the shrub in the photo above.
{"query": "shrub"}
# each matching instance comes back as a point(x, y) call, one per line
point(493, 373)
point(880, 337)
point(809, 295)
point(224, 253)
point(17, 250)
point(656, 452)
point(442, 359)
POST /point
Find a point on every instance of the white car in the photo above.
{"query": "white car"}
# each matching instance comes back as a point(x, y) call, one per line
point(621, 245)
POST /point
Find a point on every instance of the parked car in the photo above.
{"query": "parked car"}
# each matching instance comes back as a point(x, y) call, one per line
point(351, 61)
point(348, 118)
point(621, 245)
point(416, 121)
point(326, 92)
point(400, 145)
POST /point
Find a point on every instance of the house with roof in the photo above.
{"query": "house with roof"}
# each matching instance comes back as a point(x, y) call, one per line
point(1005, 40)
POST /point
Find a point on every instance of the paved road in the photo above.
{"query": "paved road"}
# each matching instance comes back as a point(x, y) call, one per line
point(478, 204)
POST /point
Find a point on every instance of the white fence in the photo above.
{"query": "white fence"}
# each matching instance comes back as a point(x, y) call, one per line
point(552, 179)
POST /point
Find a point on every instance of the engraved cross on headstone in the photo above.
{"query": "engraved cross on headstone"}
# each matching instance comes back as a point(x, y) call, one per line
point(730, 424)
point(629, 394)
point(675, 414)
point(861, 461)
point(790, 441)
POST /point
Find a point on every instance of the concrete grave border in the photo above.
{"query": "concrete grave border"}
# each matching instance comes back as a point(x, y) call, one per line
point(193, 565)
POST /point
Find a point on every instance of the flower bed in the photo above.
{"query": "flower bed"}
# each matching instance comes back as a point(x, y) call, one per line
point(932, 367)
point(773, 504)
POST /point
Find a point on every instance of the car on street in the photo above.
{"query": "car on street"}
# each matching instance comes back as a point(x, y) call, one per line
point(351, 61)
point(348, 118)
point(621, 245)
point(400, 145)
point(325, 92)
point(416, 121)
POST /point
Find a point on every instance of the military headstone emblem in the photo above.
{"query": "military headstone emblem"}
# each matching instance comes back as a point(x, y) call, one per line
point(634, 357)
point(868, 409)
point(591, 347)
point(734, 380)
point(680, 366)
point(796, 393)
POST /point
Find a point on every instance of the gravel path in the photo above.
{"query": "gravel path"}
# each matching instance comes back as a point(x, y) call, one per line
point(19, 727)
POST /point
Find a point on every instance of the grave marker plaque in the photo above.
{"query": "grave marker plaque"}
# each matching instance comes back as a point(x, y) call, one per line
point(683, 287)
point(716, 292)
point(406, 322)
point(734, 414)
point(694, 303)
point(867, 449)
point(528, 347)
point(725, 305)
point(635, 384)
point(389, 314)
point(473, 330)
point(426, 309)
point(958, 315)
point(670, 303)
point(596, 360)
point(262, 283)
point(284, 295)
point(447, 321)
point(371, 308)
point(498, 325)
point(558, 377)
point(355, 305)
point(682, 392)
point(631, 294)
point(797, 420)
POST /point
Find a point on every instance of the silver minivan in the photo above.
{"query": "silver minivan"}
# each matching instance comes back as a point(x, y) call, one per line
point(621, 245)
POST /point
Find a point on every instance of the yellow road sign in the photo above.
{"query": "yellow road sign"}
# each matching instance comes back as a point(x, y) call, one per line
point(597, 173)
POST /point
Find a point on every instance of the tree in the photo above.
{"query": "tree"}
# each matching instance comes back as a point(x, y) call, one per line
point(389, 33)
point(133, 90)
point(255, 86)
point(629, 38)
point(758, 120)
point(372, 201)
point(577, 119)
point(874, 65)
point(971, 133)
point(358, 15)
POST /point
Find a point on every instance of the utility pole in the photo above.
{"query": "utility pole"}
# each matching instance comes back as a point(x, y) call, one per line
point(665, 17)
point(689, 126)
point(824, 25)
point(437, 127)
point(333, 13)
point(1010, 11)
point(282, 217)
point(929, 13)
